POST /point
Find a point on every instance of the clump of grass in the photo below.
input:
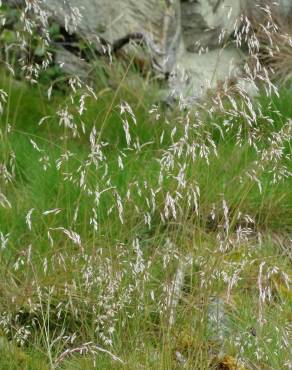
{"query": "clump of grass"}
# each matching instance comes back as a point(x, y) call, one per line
point(132, 236)
point(273, 32)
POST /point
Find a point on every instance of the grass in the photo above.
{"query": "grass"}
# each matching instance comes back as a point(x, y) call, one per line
point(111, 288)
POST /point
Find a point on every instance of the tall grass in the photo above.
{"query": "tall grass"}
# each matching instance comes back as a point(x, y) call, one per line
point(135, 236)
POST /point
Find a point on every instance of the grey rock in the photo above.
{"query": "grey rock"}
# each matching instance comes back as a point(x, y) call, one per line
point(204, 20)
point(195, 74)
point(178, 29)
point(184, 34)
point(70, 63)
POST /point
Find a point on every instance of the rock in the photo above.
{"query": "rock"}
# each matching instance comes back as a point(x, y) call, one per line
point(110, 19)
point(204, 20)
point(113, 19)
point(178, 29)
point(200, 62)
point(284, 8)
point(195, 73)
point(70, 63)
point(184, 34)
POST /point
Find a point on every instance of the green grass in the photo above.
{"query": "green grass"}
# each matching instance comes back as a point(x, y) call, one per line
point(43, 285)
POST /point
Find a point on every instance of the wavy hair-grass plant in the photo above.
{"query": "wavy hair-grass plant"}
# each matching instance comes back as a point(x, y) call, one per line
point(273, 30)
point(90, 287)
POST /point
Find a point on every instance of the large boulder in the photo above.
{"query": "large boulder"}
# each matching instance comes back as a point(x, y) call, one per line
point(159, 20)
point(173, 25)
point(187, 34)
